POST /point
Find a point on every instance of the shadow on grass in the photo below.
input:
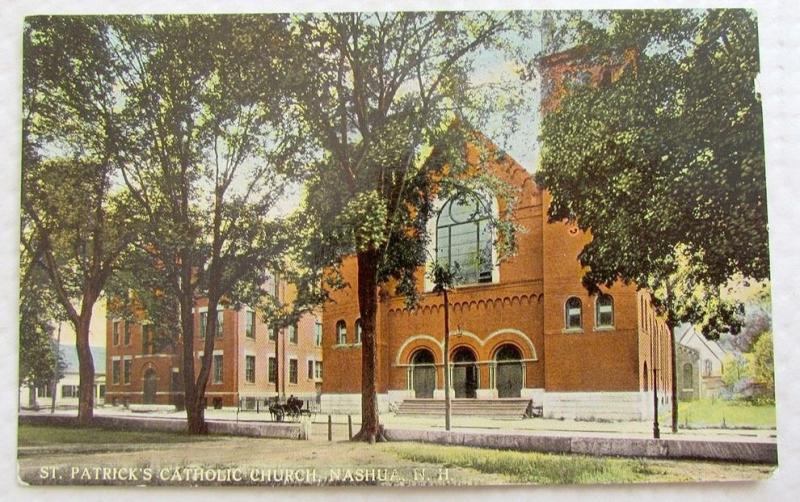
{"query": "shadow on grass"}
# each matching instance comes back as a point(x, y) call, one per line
point(47, 435)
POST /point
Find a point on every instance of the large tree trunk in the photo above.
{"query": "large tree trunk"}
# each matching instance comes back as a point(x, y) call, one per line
point(195, 416)
point(85, 369)
point(371, 429)
point(205, 369)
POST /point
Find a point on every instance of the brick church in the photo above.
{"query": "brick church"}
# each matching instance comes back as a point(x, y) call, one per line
point(523, 329)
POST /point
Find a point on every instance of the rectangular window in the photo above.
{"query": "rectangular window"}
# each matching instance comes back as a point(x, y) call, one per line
point(217, 368)
point(273, 370)
point(203, 324)
point(273, 334)
point(115, 371)
point(310, 370)
point(250, 326)
point(318, 370)
point(250, 369)
point(43, 391)
point(292, 370)
point(115, 332)
point(220, 317)
point(102, 391)
point(318, 334)
point(126, 371)
point(127, 333)
point(69, 391)
point(293, 333)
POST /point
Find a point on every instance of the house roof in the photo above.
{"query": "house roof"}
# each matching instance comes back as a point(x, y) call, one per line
point(70, 355)
point(712, 346)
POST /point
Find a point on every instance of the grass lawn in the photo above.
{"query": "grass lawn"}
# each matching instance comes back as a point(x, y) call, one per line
point(721, 413)
point(529, 467)
point(42, 435)
point(549, 468)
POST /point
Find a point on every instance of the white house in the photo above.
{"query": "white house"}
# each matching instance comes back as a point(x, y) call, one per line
point(709, 358)
point(67, 387)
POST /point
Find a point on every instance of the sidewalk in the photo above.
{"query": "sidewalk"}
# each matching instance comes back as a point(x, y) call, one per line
point(473, 425)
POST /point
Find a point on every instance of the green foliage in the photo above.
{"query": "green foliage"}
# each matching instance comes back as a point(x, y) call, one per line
point(763, 364)
point(388, 99)
point(664, 164)
point(216, 144)
point(75, 222)
point(734, 371)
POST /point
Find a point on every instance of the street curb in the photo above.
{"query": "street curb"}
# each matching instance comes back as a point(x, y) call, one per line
point(727, 451)
point(221, 427)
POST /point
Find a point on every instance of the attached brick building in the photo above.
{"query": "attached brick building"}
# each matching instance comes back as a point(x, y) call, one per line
point(523, 328)
point(247, 357)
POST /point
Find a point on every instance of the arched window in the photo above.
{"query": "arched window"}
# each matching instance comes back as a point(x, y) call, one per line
point(604, 311)
point(572, 314)
point(358, 330)
point(641, 314)
point(688, 376)
point(341, 332)
point(707, 367)
point(464, 238)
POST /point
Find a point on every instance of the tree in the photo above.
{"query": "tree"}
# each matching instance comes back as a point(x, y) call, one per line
point(40, 359)
point(75, 224)
point(378, 91)
point(734, 370)
point(664, 162)
point(763, 364)
point(214, 144)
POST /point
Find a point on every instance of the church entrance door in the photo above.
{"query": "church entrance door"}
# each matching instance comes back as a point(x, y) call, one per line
point(508, 375)
point(465, 373)
point(423, 374)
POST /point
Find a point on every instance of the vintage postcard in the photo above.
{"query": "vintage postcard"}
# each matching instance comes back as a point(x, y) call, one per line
point(394, 248)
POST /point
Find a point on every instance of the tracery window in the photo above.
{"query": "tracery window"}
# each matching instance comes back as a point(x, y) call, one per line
point(464, 238)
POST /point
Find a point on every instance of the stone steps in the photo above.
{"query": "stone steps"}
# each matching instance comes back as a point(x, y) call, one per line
point(500, 408)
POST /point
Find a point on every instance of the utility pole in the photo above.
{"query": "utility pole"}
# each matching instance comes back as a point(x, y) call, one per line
point(653, 360)
point(447, 410)
point(55, 371)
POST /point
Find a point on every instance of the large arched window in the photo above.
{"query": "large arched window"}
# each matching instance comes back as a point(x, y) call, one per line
point(341, 333)
point(572, 314)
point(464, 238)
point(604, 311)
point(688, 376)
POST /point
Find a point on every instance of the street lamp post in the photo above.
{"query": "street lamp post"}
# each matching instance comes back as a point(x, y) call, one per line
point(447, 410)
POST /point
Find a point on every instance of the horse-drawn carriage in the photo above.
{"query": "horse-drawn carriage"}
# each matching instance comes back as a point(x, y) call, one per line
point(293, 408)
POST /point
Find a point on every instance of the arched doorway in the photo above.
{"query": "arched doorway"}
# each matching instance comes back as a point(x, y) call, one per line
point(509, 371)
point(150, 386)
point(465, 373)
point(423, 374)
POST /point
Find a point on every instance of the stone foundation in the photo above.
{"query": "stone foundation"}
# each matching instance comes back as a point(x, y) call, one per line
point(349, 404)
point(601, 405)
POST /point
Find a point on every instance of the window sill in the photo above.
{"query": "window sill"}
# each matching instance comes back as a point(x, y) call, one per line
point(569, 331)
point(604, 328)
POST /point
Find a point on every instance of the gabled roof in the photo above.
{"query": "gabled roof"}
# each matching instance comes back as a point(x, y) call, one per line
point(70, 355)
point(712, 346)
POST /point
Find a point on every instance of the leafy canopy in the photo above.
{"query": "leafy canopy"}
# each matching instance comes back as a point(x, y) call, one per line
point(664, 162)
